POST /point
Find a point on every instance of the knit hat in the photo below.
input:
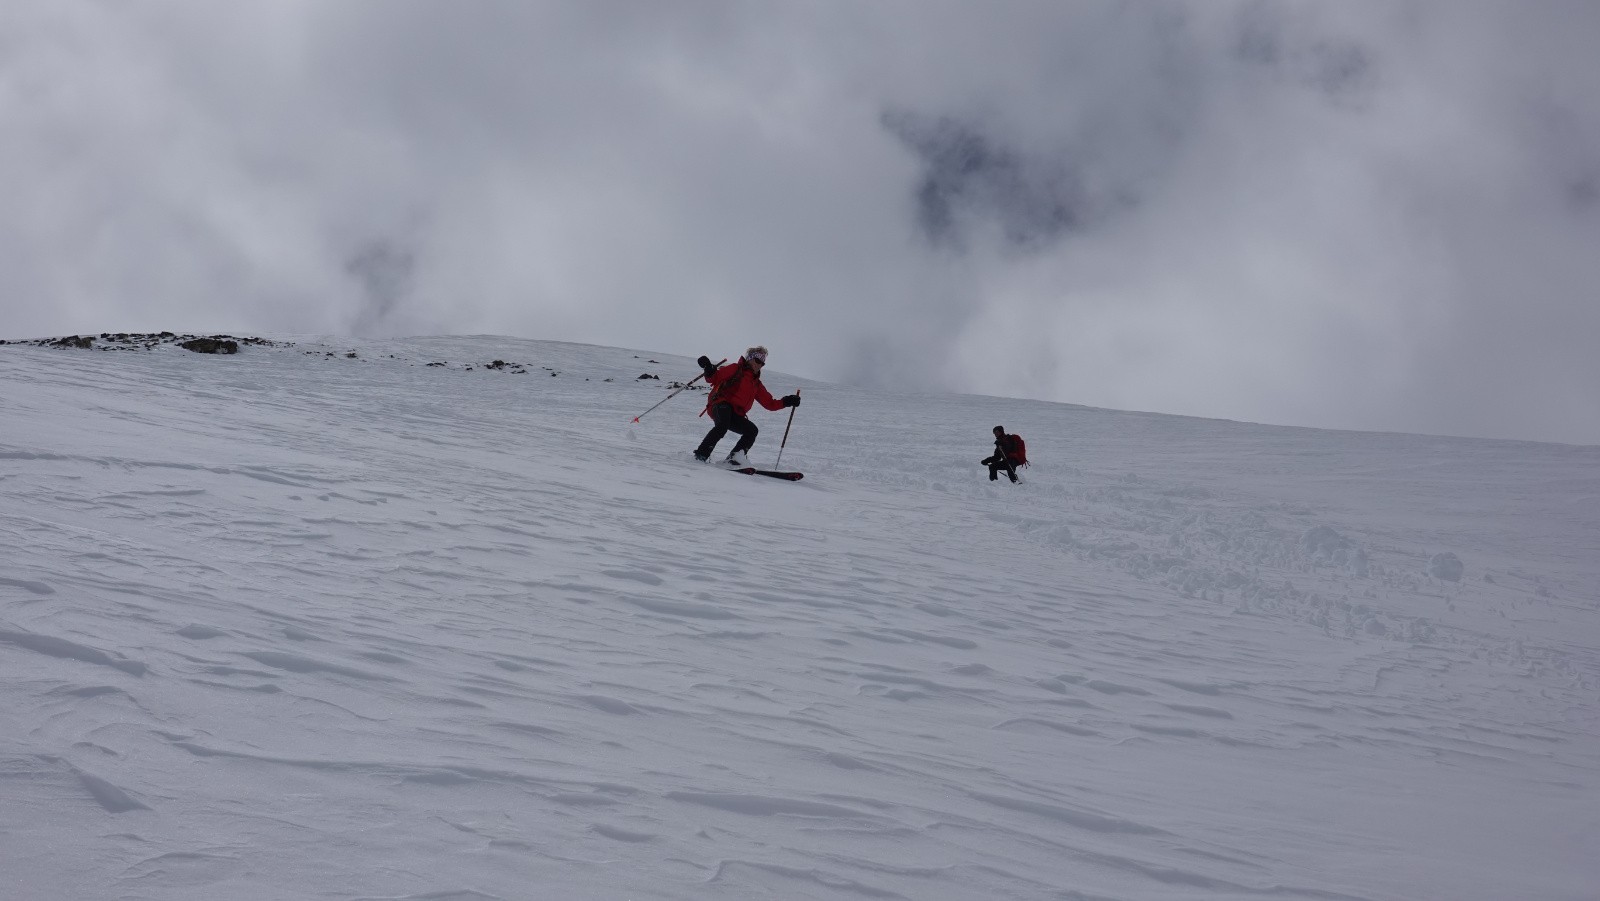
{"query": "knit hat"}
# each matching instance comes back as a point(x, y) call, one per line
point(757, 353)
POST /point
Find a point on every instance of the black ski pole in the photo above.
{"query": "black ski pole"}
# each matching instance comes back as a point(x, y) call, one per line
point(675, 393)
point(786, 428)
point(1011, 468)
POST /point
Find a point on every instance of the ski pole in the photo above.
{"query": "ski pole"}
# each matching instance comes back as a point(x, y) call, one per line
point(675, 393)
point(785, 440)
point(1011, 468)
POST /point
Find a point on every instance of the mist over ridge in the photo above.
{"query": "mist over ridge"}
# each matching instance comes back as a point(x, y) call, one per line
point(1363, 216)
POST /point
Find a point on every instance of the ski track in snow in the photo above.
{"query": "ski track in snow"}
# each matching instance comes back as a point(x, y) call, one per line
point(294, 624)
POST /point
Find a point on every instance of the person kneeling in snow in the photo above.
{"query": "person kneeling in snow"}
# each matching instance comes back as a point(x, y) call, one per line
point(1009, 453)
point(733, 389)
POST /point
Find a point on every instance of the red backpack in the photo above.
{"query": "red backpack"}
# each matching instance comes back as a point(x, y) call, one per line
point(1018, 451)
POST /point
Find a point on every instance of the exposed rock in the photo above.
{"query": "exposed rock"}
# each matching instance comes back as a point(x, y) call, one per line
point(1447, 567)
point(1323, 541)
point(125, 341)
point(217, 345)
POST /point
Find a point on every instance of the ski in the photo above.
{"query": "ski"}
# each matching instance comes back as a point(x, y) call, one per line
point(752, 471)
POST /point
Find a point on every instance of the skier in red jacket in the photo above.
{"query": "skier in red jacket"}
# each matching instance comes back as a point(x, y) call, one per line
point(734, 388)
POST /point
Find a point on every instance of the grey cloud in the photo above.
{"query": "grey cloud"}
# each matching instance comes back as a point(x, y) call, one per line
point(1360, 215)
point(384, 271)
point(1285, 42)
point(966, 173)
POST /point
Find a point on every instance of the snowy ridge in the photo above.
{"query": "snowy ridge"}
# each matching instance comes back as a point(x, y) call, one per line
point(326, 619)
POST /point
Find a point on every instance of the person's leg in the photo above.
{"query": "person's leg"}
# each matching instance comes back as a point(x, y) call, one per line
point(994, 469)
point(747, 433)
point(720, 415)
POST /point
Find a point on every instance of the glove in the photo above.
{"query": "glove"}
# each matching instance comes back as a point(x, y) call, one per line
point(705, 362)
point(791, 400)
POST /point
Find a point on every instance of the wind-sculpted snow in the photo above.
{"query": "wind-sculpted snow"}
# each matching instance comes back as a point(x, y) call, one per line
point(347, 620)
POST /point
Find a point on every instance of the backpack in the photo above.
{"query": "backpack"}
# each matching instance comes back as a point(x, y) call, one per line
point(1018, 451)
point(718, 392)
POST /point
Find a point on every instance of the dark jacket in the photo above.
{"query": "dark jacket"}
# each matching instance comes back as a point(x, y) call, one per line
point(1012, 447)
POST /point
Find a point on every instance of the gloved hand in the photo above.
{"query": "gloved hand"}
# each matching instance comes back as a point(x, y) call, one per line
point(791, 400)
point(707, 366)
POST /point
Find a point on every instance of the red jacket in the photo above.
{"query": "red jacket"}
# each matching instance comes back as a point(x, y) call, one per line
point(739, 385)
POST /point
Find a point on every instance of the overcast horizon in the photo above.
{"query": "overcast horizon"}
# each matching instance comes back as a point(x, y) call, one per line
point(1371, 216)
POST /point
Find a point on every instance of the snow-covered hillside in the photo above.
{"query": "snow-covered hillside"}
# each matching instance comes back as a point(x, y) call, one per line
point(321, 620)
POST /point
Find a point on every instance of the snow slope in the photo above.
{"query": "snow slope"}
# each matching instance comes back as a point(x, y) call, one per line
point(295, 624)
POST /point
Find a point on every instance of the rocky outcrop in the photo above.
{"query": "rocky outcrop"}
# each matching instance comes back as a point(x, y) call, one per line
point(206, 344)
point(219, 345)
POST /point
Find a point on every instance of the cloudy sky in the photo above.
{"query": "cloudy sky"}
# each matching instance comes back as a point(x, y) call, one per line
point(1377, 215)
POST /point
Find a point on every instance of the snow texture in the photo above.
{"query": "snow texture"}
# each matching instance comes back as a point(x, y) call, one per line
point(381, 620)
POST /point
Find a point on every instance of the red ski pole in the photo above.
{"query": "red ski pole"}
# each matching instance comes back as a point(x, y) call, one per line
point(785, 440)
point(675, 393)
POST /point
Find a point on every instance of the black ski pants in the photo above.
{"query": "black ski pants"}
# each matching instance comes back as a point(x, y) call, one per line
point(997, 463)
point(725, 421)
